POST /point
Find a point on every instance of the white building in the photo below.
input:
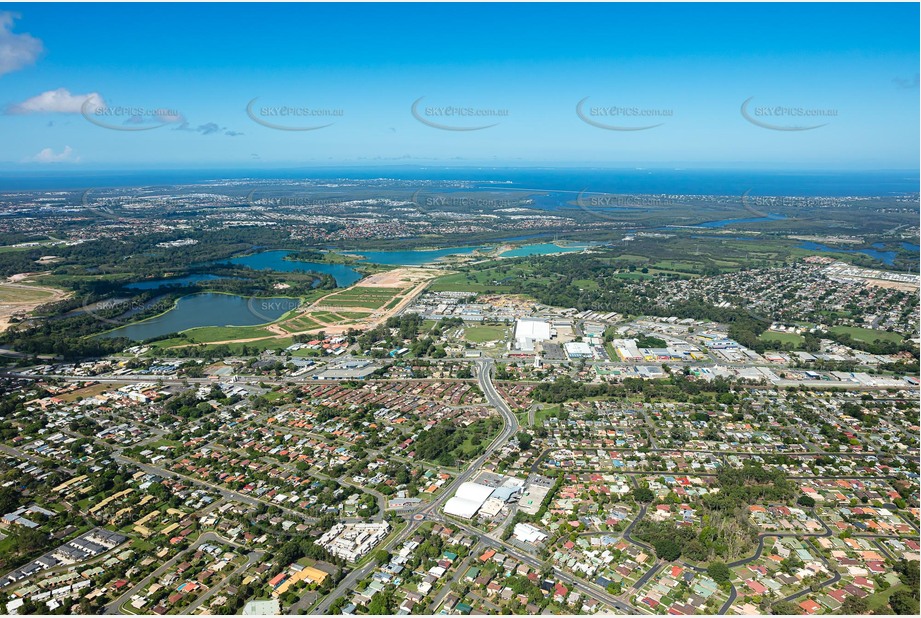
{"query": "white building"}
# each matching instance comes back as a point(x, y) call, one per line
point(529, 331)
point(578, 349)
point(527, 533)
point(469, 498)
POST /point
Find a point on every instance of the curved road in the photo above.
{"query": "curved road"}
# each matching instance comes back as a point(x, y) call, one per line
point(510, 427)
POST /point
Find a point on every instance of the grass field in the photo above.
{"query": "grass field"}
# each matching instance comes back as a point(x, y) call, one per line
point(85, 393)
point(867, 335)
point(480, 334)
point(323, 316)
point(481, 280)
point(460, 282)
point(301, 323)
point(880, 600)
point(371, 298)
point(207, 334)
point(585, 284)
point(351, 315)
point(23, 294)
point(210, 334)
point(262, 344)
point(543, 414)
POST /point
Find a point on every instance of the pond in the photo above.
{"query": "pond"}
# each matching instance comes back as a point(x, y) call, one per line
point(198, 310)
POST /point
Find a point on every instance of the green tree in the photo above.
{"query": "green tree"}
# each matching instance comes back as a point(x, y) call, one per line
point(719, 572)
point(667, 549)
point(904, 602)
point(853, 605)
point(381, 604)
point(643, 494)
point(806, 501)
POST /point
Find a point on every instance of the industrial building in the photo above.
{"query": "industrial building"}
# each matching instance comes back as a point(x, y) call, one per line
point(529, 332)
point(578, 349)
point(626, 349)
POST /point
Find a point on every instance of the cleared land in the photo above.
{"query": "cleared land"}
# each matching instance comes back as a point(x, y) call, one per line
point(362, 306)
point(18, 296)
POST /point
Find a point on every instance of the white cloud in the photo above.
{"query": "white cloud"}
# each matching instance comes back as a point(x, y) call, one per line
point(47, 155)
point(59, 101)
point(16, 50)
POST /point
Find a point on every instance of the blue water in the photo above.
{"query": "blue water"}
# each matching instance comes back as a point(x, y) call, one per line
point(623, 181)
point(886, 257)
point(725, 222)
point(198, 310)
point(274, 260)
point(543, 249)
point(412, 258)
point(175, 281)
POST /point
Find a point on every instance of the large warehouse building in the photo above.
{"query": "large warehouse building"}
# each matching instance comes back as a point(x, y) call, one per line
point(528, 332)
point(468, 500)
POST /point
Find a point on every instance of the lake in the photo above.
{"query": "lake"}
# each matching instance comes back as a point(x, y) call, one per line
point(541, 249)
point(275, 260)
point(198, 310)
point(412, 258)
point(886, 257)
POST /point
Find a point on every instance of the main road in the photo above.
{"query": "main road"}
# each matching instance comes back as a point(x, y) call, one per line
point(416, 517)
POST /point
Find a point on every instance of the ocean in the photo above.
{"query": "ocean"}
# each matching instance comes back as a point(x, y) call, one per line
point(619, 181)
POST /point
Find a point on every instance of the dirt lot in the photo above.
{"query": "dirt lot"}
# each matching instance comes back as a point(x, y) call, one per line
point(19, 295)
point(400, 277)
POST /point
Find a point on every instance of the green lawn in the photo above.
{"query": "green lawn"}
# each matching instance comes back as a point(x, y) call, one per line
point(543, 414)
point(880, 600)
point(235, 348)
point(585, 284)
point(480, 334)
point(207, 334)
point(867, 335)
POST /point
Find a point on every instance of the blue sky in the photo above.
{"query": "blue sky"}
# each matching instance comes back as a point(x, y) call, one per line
point(191, 71)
